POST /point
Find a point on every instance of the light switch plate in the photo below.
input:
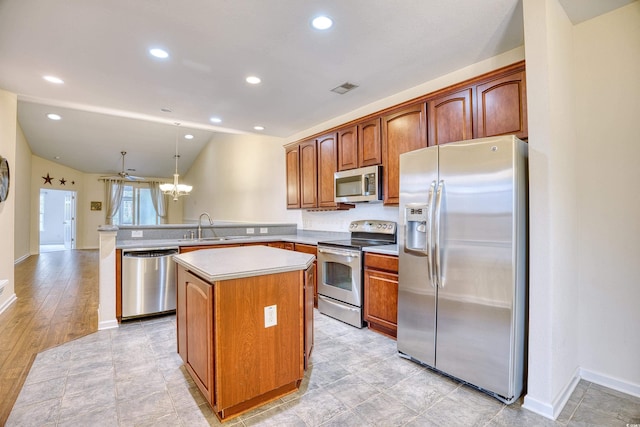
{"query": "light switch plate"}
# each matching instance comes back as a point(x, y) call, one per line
point(251, 230)
point(136, 233)
point(270, 316)
point(264, 230)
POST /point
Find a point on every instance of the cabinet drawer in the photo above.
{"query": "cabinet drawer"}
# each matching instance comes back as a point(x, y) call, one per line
point(381, 262)
point(307, 249)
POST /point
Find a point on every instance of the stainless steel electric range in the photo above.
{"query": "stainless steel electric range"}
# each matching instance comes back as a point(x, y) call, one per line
point(340, 269)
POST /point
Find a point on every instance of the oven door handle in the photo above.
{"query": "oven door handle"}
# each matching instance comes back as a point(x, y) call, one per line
point(338, 252)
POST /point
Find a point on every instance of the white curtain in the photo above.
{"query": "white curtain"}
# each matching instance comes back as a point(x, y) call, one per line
point(159, 200)
point(112, 196)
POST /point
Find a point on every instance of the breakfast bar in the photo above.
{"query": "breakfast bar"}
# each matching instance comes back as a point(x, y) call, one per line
point(245, 323)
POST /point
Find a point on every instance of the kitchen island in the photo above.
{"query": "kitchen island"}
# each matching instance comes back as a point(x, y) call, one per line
point(245, 323)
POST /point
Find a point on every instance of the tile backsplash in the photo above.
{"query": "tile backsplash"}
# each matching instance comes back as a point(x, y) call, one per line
point(339, 220)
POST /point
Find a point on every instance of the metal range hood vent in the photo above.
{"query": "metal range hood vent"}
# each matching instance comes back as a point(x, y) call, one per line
point(344, 88)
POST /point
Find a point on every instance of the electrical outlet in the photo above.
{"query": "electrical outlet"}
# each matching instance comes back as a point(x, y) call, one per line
point(136, 233)
point(251, 230)
point(270, 316)
point(264, 230)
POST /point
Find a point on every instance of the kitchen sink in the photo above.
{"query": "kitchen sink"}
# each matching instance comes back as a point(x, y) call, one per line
point(212, 239)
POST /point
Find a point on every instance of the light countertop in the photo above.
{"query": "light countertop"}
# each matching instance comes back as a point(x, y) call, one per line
point(244, 261)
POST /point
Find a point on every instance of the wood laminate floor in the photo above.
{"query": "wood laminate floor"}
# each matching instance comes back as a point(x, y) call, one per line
point(57, 302)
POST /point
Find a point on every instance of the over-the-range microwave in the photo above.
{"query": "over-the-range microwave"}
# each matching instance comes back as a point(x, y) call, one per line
point(358, 185)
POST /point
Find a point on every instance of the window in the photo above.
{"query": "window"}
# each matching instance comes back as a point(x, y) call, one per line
point(136, 208)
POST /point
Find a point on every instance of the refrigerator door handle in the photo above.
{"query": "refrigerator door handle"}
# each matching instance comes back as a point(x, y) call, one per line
point(430, 264)
point(437, 214)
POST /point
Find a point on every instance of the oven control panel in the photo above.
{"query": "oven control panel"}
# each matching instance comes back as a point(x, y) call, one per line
point(373, 226)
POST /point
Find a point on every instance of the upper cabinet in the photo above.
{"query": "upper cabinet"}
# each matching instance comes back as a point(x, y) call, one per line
point(450, 117)
point(308, 174)
point(348, 148)
point(360, 145)
point(327, 163)
point(488, 105)
point(370, 143)
point(292, 158)
point(403, 130)
point(502, 106)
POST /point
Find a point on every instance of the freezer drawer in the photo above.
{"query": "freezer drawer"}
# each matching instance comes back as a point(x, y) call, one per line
point(148, 282)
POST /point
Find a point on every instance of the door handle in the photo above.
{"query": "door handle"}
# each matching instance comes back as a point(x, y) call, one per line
point(437, 224)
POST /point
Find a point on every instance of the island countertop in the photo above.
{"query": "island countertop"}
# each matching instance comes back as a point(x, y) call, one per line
point(245, 261)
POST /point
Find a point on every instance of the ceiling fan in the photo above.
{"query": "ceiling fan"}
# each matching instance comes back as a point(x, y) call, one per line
point(123, 173)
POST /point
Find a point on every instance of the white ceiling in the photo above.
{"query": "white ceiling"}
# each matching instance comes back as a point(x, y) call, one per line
point(114, 90)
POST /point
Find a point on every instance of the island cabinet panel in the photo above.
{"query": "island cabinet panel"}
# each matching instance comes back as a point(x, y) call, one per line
point(381, 293)
point(502, 106)
point(402, 131)
point(293, 176)
point(253, 359)
point(239, 356)
point(369, 143)
point(308, 174)
point(195, 329)
point(309, 289)
point(450, 117)
point(348, 148)
point(312, 250)
point(327, 166)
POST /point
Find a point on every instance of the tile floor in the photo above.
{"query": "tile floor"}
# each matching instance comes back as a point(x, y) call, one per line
point(132, 376)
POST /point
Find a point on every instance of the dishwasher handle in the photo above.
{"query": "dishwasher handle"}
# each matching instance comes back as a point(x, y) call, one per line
point(150, 253)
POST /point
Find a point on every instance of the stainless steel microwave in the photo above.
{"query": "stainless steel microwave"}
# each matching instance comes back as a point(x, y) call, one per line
point(358, 185)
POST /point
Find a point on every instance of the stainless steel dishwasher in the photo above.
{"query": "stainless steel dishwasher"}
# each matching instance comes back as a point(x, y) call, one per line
point(148, 281)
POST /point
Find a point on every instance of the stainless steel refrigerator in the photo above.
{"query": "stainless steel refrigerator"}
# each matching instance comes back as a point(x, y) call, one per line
point(463, 261)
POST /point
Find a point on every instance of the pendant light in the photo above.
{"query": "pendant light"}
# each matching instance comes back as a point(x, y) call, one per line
point(176, 190)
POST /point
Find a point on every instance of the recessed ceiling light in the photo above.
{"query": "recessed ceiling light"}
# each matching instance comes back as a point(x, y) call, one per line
point(322, 22)
point(258, 127)
point(166, 110)
point(57, 157)
point(54, 116)
point(159, 53)
point(53, 79)
point(253, 80)
point(188, 136)
point(215, 120)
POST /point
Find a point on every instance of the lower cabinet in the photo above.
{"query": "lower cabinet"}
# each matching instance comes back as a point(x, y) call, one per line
point(313, 250)
point(237, 362)
point(381, 293)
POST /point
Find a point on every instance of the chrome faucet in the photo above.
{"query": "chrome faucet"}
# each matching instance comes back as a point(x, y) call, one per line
point(200, 223)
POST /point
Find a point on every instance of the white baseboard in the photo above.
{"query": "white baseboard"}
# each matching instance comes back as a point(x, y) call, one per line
point(610, 382)
point(22, 258)
point(8, 302)
point(553, 409)
point(107, 324)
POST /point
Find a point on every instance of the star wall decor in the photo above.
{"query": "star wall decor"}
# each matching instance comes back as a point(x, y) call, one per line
point(48, 179)
point(63, 181)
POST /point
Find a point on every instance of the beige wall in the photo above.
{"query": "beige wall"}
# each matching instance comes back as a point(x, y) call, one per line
point(8, 116)
point(22, 176)
point(583, 96)
point(239, 178)
point(607, 83)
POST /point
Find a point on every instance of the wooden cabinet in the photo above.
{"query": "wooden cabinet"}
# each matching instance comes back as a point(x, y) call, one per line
point(381, 293)
point(292, 157)
point(238, 361)
point(403, 130)
point(195, 329)
point(502, 106)
point(308, 174)
point(369, 143)
point(327, 146)
point(313, 250)
point(360, 145)
point(348, 148)
point(309, 290)
point(450, 117)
